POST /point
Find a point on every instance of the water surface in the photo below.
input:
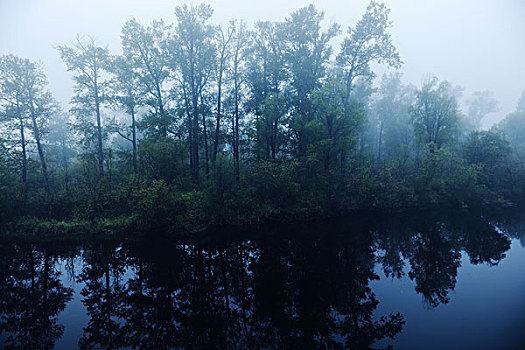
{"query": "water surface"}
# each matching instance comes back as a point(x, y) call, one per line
point(429, 281)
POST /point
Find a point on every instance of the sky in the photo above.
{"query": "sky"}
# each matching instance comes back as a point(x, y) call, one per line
point(476, 44)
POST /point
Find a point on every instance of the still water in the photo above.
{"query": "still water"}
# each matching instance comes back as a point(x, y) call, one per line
point(422, 281)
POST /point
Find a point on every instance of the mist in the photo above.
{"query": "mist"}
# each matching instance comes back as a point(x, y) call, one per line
point(262, 174)
point(476, 44)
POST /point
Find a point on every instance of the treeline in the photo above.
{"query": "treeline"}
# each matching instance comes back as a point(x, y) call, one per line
point(195, 125)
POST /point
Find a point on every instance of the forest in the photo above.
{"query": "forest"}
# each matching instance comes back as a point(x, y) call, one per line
point(195, 126)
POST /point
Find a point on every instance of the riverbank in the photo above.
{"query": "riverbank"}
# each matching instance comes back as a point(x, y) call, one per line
point(34, 229)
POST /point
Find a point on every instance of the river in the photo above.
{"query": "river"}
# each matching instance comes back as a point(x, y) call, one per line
point(418, 281)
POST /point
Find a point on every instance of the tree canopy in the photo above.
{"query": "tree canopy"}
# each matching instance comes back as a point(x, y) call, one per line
point(192, 125)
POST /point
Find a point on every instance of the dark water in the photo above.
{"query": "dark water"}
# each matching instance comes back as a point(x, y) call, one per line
point(415, 282)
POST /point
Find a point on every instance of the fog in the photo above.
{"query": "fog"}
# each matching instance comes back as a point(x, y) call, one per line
point(477, 44)
point(342, 174)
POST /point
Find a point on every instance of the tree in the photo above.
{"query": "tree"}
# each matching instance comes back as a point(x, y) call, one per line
point(273, 109)
point(193, 54)
point(224, 40)
point(88, 62)
point(239, 56)
point(126, 92)
point(146, 50)
point(265, 75)
point(368, 42)
point(435, 114)
point(390, 109)
point(12, 94)
point(340, 122)
point(482, 104)
point(32, 296)
point(41, 107)
point(306, 52)
point(24, 93)
point(487, 148)
point(61, 150)
point(514, 128)
point(199, 107)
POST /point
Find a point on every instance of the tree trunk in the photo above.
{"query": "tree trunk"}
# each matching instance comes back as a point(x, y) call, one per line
point(163, 128)
point(233, 135)
point(24, 153)
point(206, 152)
point(195, 138)
point(349, 81)
point(217, 126)
point(36, 132)
point(99, 132)
point(110, 172)
point(66, 170)
point(343, 162)
point(190, 125)
point(236, 117)
point(274, 138)
point(380, 142)
point(134, 141)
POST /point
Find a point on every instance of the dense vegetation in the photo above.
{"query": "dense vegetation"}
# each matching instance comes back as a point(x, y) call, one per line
point(195, 125)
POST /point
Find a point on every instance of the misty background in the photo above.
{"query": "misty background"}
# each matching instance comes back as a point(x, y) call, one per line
point(476, 44)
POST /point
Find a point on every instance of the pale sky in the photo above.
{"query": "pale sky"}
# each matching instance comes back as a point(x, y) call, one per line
point(477, 44)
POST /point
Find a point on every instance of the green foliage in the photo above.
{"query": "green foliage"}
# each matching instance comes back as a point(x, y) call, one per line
point(435, 114)
point(513, 126)
point(290, 135)
point(274, 185)
point(486, 148)
point(151, 205)
point(158, 206)
point(444, 179)
point(162, 159)
point(368, 42)
point(336, 124)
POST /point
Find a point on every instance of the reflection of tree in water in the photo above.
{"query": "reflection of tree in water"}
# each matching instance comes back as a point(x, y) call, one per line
point(31, 297)
point(304, 291)
point(102, 294)
point(434, 262)
point(483, 243)
point(513, 224)
point(294, 287)
point(152, 303)
point(433, 248)
point(314, 292)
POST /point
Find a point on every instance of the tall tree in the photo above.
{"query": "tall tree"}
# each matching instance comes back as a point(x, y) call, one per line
point(224, 40)
point(265, 75)
point(146, 50)
point(366, 43)
point(273, 109)
point(239, 56)
point(61, 148)
point(306, 52)
point(127, 93)
point(390, 107)
point(88, 62)
point(194, 55)
point(339, 124)
point(435, 114)
point(41, 107)
point(12, 94)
